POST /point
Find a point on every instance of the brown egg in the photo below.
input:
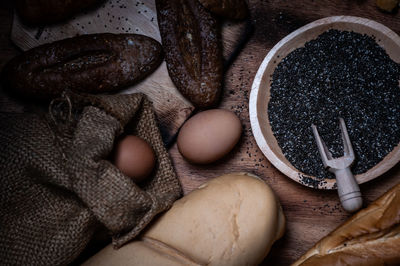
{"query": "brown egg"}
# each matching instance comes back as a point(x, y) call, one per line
point(209, 136)
point(134, 157)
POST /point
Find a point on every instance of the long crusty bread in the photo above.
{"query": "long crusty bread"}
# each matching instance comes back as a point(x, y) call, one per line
point(193, 54)
point(93, 63)
point(370, 237)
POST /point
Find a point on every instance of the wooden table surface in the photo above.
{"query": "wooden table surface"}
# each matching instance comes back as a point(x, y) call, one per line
point(310, 214)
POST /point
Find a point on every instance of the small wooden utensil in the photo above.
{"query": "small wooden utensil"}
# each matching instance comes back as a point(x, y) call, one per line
point(348, 190)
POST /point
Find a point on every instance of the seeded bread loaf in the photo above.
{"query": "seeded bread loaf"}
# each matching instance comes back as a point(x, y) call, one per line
point(369, 238)
point(92, 63)
point(192, 50)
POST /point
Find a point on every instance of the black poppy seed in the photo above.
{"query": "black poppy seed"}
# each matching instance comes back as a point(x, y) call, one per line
point(339, 74)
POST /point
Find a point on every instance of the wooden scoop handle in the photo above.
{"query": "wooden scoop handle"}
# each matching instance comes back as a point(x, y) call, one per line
point(348, 190)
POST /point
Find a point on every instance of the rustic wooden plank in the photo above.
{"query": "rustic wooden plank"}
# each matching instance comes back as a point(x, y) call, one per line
point(310, 214)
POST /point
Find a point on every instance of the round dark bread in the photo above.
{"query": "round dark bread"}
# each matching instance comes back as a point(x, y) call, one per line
point(92, 63)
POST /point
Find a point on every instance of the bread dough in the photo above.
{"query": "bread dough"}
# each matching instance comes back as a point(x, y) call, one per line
point(231, 220)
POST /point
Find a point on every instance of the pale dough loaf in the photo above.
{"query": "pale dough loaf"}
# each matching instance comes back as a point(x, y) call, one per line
point(231, 220)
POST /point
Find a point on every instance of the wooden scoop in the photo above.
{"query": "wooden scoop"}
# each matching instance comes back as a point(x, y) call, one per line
point(348, 190)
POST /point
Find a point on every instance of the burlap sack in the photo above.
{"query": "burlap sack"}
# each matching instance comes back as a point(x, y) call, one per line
point(58, 185)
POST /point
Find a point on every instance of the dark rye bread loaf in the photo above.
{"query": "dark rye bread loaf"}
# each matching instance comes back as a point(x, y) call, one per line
point(193, 54)
point(233, 9)
point(93, 63)
point(50, 11)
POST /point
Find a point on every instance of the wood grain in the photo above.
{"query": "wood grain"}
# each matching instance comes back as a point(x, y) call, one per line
point(310, 214)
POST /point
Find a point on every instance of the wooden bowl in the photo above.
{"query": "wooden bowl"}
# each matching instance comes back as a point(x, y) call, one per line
point(260, 93)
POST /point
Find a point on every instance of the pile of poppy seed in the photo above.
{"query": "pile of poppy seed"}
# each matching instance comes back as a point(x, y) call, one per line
point(339, 74)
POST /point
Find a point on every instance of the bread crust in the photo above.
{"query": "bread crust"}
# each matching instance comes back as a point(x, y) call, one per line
point(231, 220)
point(50, 11)
point(370, 237)
point(92, 63)
point(233, 9)
point(192, 50)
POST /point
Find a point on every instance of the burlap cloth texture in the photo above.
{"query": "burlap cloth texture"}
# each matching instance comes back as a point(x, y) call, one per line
point(58, 185)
